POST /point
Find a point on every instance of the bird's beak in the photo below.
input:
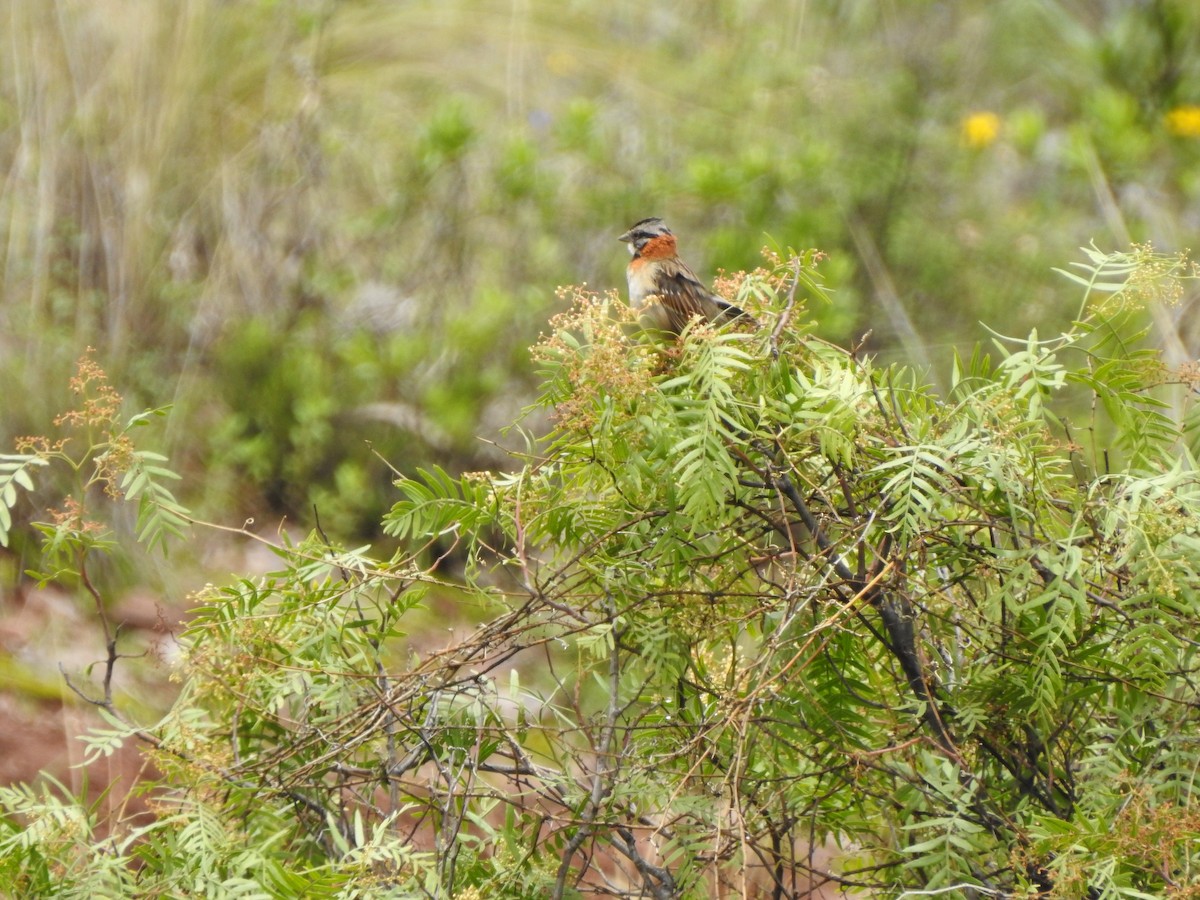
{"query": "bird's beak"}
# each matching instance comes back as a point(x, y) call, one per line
point(627, 237)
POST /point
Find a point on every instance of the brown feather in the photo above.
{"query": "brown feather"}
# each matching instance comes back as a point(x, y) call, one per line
point(666, 291)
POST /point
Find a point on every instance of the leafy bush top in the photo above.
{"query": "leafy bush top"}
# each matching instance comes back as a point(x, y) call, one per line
point(757, 613)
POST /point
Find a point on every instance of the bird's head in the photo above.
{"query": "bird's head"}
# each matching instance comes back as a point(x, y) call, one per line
point(648, 231)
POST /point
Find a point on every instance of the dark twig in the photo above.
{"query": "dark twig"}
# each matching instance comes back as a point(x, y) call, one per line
point(606, 766)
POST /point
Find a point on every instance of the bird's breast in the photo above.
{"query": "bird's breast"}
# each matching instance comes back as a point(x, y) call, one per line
point(640, 274)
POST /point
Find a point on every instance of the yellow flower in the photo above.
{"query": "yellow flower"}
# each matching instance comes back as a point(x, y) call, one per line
point(980, 129)
point(1184, 121)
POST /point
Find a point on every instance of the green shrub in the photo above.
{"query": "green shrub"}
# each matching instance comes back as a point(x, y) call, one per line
point(752, 597)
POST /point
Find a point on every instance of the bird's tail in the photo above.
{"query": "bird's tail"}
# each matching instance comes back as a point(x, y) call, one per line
point(730, 313)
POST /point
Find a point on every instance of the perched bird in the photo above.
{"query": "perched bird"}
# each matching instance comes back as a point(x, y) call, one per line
point(664, 290)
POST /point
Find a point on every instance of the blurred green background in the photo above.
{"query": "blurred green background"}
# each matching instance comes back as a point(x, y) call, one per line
point(330, 230)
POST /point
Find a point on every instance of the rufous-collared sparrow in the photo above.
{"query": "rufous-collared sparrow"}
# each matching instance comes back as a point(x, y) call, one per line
point(662, 289)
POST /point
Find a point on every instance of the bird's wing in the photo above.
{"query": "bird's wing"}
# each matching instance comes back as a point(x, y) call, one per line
point(684, 296)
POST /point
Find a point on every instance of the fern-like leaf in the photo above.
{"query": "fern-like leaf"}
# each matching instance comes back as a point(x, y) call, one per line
point(916, 486)
point(707, 409)
point(14, 473)
point(437, 504)
point(160, 515)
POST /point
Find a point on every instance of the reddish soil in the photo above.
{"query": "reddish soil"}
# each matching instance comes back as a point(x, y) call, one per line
point(42, 719)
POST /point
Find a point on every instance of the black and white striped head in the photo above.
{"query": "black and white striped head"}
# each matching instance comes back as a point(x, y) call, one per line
point(643, 232)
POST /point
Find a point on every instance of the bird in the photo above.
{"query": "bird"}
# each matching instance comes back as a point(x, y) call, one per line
point(665, 292)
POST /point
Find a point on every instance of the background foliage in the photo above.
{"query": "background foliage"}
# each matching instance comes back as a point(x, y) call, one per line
point(320, 229)
point(312, 224)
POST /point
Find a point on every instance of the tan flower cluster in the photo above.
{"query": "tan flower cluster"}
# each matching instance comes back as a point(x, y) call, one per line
point(114, 463)
point(1189, 374)
point(591, 345)
point(765, 282)
point(97, 406)
point(70, 517)
point(100, 400)
point(727, 284)
point(37, 443)
point(1157, 277)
